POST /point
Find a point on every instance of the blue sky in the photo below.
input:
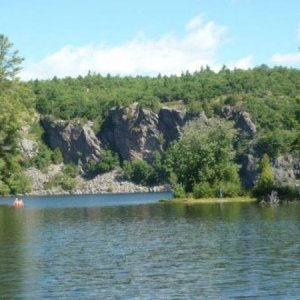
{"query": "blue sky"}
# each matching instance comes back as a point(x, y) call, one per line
point(68, 38)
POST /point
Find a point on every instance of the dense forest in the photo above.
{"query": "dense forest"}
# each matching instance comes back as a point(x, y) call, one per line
point(270, 95)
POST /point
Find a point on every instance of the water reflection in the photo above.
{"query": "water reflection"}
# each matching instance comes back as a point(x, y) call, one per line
point(154, 251)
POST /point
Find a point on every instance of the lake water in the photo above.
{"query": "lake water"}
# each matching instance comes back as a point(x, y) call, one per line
point(131, 247)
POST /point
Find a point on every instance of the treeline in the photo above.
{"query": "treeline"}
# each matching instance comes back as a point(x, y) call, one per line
point(91, 96)
point(271, 95)
point(209, 163)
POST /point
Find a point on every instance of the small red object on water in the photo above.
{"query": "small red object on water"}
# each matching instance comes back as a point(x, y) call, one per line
point(18, 203)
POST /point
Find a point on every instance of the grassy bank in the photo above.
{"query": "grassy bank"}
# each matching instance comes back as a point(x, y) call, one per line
point(212, 200)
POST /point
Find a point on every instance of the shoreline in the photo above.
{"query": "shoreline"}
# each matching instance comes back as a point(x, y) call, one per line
point(107, 183)
point(210, 200)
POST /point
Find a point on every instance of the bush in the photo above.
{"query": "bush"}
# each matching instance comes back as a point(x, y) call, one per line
point(138, 171)
point(4, 188)
point(179, 191)
point(57, 156)
point(63, 181)
point(71, 170)
point(44, 157)
point(228, 189)
point(109, 161)
point(19, 183)
point(231, 100)
point(203, 189)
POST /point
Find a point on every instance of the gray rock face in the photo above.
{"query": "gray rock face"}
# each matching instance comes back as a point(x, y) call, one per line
point(137, 133)
point(170, 123)
point(75, 141)
point(286, 171)
point(132, 132)
point(29, 148)
point(247, 131)
point(242, 119)
point(249, 169)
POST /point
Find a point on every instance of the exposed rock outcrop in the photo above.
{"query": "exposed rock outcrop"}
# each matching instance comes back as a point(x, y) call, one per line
point(110, 182)
point(246, 131)
point(241, 119)
point(29, 148)
point(132, 132)
point(249, 169)
point(170, 123)
point(77, 142)
point(137, 133)
point(39, 178)
point(286, 170)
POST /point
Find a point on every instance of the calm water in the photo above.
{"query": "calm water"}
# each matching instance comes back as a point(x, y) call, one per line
point(128, 247)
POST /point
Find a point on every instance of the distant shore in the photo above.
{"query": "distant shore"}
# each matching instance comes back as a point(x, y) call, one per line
point(211, 200)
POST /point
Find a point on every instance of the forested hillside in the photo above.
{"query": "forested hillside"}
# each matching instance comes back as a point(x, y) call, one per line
point(269, 98)
point(270, 95)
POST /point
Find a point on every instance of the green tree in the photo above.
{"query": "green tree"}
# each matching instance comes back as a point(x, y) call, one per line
point(9, 59)
point(204, 155)
point(13, 107)
point(265, 182)
point(139, 171)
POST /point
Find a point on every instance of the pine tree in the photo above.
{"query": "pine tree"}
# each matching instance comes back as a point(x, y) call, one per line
point(265, 182)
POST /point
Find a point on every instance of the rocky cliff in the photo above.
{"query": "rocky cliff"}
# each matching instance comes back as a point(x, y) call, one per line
point(77, 142)
point(242, 120)
point(132, 132)
point(136, 133)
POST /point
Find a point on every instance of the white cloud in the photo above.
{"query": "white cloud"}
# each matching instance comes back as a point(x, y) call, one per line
point(141, 55)
point(242, 63)
point(287, 59)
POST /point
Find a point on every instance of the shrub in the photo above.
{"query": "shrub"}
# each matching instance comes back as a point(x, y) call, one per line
point(227, 189)
point(4, 188)
point(60, 180)
point(203, 189)
point(139, 171)
point(231, 100)
point(44, 157)
point(179, 191)
point(108, 162)
point(19, 183)
point(71, 170)
point(57, 156)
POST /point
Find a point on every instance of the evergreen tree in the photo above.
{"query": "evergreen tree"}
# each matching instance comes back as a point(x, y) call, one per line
point(265, 182)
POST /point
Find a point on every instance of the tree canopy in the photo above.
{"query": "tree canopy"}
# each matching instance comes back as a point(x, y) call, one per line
point(204, 156)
